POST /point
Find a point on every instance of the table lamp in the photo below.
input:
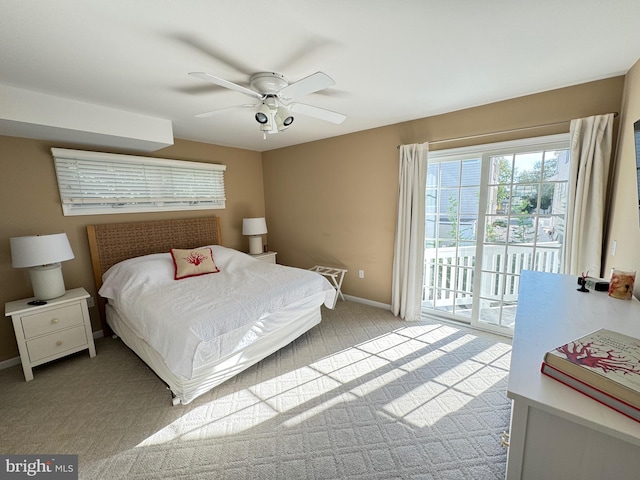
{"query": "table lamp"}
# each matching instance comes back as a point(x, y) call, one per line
point(254, 228)
point(43, 254)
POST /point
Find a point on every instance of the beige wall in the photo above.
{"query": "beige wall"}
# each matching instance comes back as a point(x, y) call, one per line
point(624, 223)
point(31, 205)
point(327, 202)
point(334, 201)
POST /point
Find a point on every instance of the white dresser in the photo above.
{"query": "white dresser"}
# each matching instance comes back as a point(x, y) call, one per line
point(47, 332)
point(556, 432)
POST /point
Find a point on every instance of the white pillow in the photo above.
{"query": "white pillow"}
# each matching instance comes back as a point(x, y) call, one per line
point(153, 270)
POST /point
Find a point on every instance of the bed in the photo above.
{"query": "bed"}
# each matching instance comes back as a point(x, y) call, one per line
point(197, 331)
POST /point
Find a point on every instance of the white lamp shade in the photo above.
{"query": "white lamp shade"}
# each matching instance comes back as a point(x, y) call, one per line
point(35, 250)
point(254, 226)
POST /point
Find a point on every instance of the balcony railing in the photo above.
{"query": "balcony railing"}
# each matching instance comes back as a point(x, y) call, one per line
point(450, 271)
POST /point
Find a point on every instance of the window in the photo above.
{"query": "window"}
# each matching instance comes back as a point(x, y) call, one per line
point(97, 183)
point(491, 212)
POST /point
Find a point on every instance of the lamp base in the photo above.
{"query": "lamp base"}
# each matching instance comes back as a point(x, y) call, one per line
point(47, 281)
point(255, 244)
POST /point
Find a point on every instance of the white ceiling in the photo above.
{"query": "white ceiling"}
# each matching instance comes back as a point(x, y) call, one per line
point(392, 61)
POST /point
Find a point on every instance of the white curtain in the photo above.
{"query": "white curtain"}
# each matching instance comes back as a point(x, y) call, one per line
point(591, 139)
point(408, 258)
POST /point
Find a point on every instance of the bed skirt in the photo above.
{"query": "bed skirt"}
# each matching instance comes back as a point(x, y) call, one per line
point(272, 333)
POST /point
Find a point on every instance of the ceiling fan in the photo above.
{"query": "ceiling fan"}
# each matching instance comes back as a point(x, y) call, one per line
point(276, 95)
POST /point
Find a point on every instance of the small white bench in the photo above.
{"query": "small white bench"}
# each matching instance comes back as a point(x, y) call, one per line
point(335, 276)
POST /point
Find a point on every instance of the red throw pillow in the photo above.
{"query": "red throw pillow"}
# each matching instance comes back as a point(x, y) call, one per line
point(192, 263)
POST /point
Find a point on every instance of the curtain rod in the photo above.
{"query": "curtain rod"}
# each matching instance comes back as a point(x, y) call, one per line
point(480, 135)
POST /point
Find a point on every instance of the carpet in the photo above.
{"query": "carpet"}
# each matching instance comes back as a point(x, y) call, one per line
point(363, 395)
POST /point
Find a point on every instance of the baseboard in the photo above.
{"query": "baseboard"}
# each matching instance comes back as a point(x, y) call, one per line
point(12, 362)
point(366, 301)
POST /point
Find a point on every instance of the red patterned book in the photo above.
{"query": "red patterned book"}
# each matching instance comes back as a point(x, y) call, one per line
point(604, 365)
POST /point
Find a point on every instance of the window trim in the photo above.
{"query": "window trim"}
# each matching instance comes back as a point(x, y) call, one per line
point(135, 184)
point(512, 146)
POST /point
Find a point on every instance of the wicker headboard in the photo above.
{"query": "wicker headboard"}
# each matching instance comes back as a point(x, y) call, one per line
point(113, 242)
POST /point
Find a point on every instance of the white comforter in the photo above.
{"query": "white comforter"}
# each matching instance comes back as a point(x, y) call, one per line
point(209, 316)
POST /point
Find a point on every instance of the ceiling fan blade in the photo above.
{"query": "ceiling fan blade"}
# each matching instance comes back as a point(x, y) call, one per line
point(303, 50)
point(213, 52)
point(333, 92)
point(317, 112)
point(219, 110)
point(312, 83)
point(225, 83)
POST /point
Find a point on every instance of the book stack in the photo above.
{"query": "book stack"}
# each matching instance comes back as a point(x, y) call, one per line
point(604, 365)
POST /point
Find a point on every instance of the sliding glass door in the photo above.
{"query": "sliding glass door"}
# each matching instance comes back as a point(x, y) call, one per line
point(491, 212)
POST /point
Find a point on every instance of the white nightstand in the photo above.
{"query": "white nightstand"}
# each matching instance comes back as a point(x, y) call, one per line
point(51, 331)
point(269, 257)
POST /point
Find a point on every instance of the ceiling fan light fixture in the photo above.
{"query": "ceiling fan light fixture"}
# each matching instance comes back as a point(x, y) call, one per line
point(285, 115)
point(283, 118)
point(270, 125)
point(263, 114)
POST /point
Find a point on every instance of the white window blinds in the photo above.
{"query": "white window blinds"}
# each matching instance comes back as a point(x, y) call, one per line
point(95, 183)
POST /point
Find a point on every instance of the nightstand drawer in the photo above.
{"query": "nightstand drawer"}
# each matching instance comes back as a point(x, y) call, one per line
point(52, 320)
point(56, 343)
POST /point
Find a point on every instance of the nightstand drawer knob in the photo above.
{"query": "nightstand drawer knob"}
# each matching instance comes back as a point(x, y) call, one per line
point(58, 343)
point(54, 320)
